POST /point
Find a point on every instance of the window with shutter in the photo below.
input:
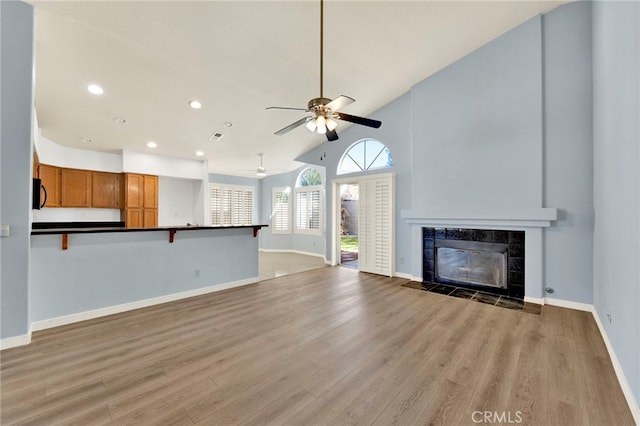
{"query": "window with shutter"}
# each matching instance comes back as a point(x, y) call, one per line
point(280, 217)
point(308, 202)
point(231, 205)
point(308, 210)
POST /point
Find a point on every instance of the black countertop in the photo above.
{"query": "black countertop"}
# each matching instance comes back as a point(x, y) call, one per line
point(53, 228)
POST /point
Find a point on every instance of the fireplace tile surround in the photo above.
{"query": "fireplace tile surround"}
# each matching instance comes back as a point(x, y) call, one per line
point(515, 264)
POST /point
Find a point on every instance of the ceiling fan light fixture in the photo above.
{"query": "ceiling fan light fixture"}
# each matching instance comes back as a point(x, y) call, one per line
point(331, 124)
point(322, 127)
point(260, 172)
point(311, 125)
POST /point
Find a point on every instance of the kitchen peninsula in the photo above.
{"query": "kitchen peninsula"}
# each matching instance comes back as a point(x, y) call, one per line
point(78, 273)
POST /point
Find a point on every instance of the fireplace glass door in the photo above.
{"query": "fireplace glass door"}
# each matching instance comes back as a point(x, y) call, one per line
point(471, 265)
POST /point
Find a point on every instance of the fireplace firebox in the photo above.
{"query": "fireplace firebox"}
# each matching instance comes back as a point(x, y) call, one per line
point(488, 260)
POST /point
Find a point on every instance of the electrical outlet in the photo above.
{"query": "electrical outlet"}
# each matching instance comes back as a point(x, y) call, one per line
point(402, 260)
point(610, 318)
point(196, 272)
point(5, 230)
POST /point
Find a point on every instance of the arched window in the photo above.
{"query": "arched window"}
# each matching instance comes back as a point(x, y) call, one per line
point(366, 154)
point(308, 202)
point(309, 177)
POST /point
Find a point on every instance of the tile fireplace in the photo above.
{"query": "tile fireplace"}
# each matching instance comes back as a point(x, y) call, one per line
point(491, 261)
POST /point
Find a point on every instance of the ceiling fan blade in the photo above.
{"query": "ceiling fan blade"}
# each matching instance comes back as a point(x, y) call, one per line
point(358, 120)
point(294, 109)
point(339, 103)
point(332, 135)
point(293, 126)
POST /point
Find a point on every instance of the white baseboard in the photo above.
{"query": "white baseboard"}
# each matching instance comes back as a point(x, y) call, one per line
point(116, 309)
point(536, 300)
point(622, 379)
point(568, 304)
point(407, 276)
point(306, 253)
point(12, 342)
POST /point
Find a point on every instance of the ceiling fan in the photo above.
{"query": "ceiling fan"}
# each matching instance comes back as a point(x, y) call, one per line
point(261, 171)
point(325, 111)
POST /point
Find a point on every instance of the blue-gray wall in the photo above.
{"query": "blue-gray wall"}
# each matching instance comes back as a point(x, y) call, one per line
point(616, 139)
point(65, 282)
point(16, 149)
point(477, 127)
point(568, 151)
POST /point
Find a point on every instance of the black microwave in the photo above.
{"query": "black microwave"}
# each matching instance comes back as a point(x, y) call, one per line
point(39, 198)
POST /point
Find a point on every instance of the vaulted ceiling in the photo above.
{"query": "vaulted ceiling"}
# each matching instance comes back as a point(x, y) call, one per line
point(237, 58)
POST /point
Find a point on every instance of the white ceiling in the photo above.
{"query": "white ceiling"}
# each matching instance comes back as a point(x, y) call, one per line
point(237, 58)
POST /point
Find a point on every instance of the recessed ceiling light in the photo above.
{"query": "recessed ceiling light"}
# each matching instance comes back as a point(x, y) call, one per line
point(152, 144)
point(95, 89)
point(86, 140)
point(199, 153)
point(119, 120)
point(228, 124)
point(195, 104)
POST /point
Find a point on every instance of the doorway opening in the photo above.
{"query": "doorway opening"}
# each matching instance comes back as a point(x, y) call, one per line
point(349, 212)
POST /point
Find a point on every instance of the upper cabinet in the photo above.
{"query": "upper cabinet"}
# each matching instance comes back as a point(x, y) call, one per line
point(75, 188)
point(140, 201)
point(150, 192)
point(105, 192)
point(133, 191)
point(50, 176)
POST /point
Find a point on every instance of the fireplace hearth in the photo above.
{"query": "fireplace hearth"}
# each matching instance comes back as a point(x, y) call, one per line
point(491, 261)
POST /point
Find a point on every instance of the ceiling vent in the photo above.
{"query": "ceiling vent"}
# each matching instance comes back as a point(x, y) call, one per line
point(216, 136)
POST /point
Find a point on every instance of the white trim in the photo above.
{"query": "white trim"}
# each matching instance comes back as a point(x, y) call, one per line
point(407, 276)
point(15, 341)
point(568, 304)
point(110, 310)
point(527, 217)
point(536, 300)
point(622, 379)
point(306, 253)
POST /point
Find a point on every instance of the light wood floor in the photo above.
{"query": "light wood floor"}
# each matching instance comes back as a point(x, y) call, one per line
point(328, 346)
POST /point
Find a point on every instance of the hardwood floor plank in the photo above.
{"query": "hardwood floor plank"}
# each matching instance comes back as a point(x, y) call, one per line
point(327, 346)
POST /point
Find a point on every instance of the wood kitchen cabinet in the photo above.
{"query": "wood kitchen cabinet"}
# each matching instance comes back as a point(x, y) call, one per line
point(140, 201)
point(105, 192)
point(150, 192)
point(75, 188)
point(50, 176)
point(149, 218)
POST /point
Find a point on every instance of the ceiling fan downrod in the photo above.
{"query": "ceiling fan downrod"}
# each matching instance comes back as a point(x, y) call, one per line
point(321, 46)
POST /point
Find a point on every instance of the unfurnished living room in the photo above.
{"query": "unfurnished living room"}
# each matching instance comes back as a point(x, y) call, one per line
point(320, 212)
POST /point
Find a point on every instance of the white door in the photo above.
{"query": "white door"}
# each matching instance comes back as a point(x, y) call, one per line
point(376, 235)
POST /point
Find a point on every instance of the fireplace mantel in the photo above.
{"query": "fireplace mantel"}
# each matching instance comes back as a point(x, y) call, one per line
point(530, 220)
point(464, 217)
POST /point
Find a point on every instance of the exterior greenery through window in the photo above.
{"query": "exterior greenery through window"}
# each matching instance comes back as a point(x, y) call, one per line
point(308, 199)
point(366, 154)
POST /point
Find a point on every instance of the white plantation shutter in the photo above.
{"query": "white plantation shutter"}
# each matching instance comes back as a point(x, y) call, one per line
point(248, 208)
point(215, 205)
point(231, 205)
point(376, 234)
point(281, 223)
point(308, 210)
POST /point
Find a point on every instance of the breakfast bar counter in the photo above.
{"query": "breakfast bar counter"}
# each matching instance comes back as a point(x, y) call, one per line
point(102, 270)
